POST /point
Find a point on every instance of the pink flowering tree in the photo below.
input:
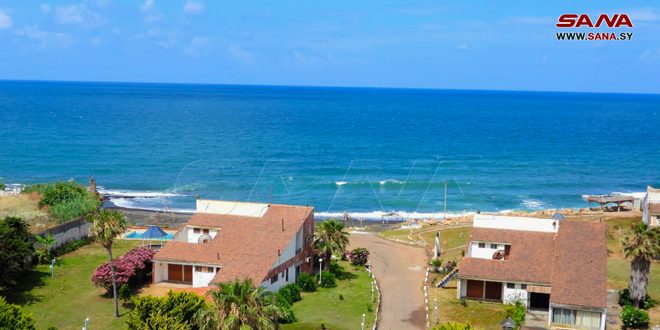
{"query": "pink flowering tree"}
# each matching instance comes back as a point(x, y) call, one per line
point(128, 268)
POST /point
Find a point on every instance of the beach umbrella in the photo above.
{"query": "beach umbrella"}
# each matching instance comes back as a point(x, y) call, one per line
point(558, 216)
point(154, 232)
point(437, 245)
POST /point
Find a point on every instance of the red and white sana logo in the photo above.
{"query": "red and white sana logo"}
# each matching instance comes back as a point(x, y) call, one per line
point(583, 20)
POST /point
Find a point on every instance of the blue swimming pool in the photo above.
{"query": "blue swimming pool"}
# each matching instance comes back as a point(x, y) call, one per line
point(136, 235)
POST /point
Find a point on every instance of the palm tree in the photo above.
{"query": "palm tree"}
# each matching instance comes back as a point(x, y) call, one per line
point(641, 244)
point(106, 225)
point(239, 305)
point(45, 243)
point(330, 238)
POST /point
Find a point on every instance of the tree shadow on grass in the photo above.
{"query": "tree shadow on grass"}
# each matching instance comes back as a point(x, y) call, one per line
point(341, 273)
point(21, 292)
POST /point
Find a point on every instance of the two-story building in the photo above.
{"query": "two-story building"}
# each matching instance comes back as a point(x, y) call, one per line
point(651, 207)
point(268, 243)
point(548, 264)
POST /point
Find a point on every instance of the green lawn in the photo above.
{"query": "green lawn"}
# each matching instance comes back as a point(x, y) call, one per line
point(326, 305)
point(67, 299)
point(452, 241)
point(481, 315)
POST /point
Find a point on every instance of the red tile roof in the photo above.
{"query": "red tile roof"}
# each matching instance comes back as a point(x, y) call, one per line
point(245, 247)
point(580, 267)
point(573, 261)
point(529, 261)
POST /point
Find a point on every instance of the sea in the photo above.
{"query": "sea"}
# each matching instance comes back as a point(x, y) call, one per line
point(369, 152)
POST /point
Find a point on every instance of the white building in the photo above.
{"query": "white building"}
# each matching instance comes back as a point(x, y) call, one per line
point(223, 241)
point(554, 265)
point(651, 207)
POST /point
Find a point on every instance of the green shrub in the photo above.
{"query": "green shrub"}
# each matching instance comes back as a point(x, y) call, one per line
point(16, 249)
point(436, 264)
point(11, 317)
point(173, 311)
point(306, 282)
point(290, 292)
point(624, 300)
point(359, 256)
point(463, 301)
point(71, 246)
point(65, 200)
point(125, 293)
point(2, 186)
point(328, 280)
point(335, 268)
point(286, 315)
point(633, 318)
point(516, 312)
point(453, 326)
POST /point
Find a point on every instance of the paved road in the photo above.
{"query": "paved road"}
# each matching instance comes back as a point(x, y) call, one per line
point(400, 272)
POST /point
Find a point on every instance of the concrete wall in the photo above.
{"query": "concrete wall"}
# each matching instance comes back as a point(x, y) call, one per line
point(201, 279)
point(234, 208)
point(510, 296)
point(159, 272)
point(281, 280)
point(193, 237)
point(515, 223)
point(68, 231)
point(487, 252)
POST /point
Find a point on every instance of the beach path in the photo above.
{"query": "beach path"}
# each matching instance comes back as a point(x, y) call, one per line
point(400, 271)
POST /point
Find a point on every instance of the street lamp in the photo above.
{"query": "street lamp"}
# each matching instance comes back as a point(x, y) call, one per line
point(85, 326)
point(320, 269)
point(52, 268)
point(508, 324)
point(372, 291)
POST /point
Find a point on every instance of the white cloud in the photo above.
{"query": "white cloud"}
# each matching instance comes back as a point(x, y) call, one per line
point(45, 8)
point(5, 21)
point(45, 39)
point(239, 54)
point(463, 46)
point(151, 14)
point(531, 20)
point(643, 15)
point(78, 15)
point(193, 7)
point(198, 46)
point(650, 55)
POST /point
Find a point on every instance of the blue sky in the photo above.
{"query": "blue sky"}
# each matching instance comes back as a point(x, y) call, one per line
point(428, 44)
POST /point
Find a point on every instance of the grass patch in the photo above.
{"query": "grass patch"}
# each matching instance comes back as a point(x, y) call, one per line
point(397, 234)
point(481, 315)
point(325, 305)
point(26, 206)
point(67, 299)
point(452, 241)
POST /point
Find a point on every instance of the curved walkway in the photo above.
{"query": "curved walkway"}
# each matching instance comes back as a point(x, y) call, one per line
point(400, 271)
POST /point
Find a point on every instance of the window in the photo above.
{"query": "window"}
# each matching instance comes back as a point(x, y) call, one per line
point(286, 277)
point(273, 279)
point(493, 246)
point(206, 231)
point(198, 268)
point(510, 286)
point(563, 316)
point(482, 245)
point(524, 286)
point(196, 230)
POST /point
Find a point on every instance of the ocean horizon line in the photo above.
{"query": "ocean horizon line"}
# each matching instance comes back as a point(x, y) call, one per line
point(333, 87)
